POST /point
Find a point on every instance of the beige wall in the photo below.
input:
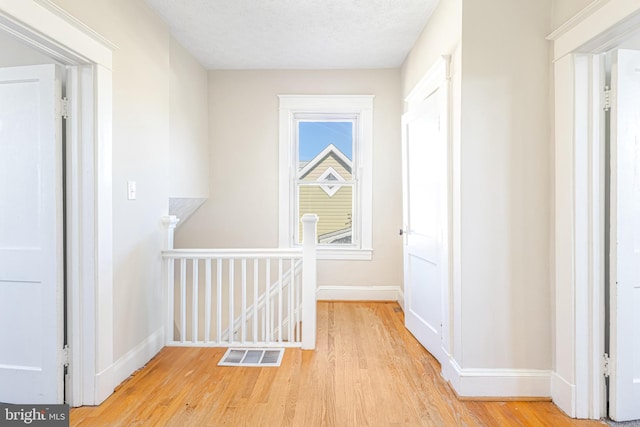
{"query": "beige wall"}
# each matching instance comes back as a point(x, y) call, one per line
point(505, 185)
point(142, 118)
point(501, 176)
point(563, 10)
point(243, 207)
point(189, 142)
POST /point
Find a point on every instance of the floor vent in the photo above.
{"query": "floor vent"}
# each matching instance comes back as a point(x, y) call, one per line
point(260, 357)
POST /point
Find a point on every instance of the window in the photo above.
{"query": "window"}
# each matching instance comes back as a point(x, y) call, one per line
point(325, 168)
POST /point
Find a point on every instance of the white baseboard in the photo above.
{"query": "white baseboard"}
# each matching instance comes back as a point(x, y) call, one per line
point(358, 293)
point(137, 357)
point(499, 383)
point(104, 386)
point(401, 298)
point(563, 394)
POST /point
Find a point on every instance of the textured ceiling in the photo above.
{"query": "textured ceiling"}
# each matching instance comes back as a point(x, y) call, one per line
point(296, 34)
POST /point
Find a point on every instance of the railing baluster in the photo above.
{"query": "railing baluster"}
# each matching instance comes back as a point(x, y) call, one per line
point(194, 295)
point(231, 301)
point(280, 285)
point(255, 300)
point(299, 304)
point(170, 301)
point(207, 301)
point(219, 300)
point(267, 301)
point(243, 327)
point(183, 299)
point(290, 304)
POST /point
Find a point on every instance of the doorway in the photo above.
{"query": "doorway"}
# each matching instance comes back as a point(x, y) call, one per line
point(578, 385)
point(32, 225)
point(88, 59)
point(426, 235)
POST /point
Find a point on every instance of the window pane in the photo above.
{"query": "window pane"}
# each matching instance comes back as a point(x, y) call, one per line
point(317, 140)
point(334, 206)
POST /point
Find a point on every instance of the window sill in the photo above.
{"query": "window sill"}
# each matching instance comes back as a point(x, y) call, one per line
point(345, 254)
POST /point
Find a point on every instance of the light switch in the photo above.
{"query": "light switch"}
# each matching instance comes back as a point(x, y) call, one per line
point(131, 190)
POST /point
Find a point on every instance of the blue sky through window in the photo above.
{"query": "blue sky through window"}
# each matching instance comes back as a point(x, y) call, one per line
point(316, 136)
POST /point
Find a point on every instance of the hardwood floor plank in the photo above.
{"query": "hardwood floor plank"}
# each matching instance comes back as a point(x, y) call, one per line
point(367, 370)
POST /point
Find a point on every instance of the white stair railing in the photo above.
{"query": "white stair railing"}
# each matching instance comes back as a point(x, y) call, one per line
point(241, 297)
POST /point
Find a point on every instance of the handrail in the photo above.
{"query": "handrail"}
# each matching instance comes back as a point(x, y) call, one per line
point(232, 253)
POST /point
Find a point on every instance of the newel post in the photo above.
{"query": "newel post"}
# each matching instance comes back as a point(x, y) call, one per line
point(309, 280)
point(169, 222)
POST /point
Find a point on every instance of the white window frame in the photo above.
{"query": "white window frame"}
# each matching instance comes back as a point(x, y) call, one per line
point(292, 106)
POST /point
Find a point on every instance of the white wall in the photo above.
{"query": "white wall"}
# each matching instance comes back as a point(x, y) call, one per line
point(142, 118)
point(243, 207)
point(189, 139)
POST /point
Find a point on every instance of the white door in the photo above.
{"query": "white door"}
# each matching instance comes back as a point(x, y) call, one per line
point(424, 186)
point(625, 237)
point(31, 251)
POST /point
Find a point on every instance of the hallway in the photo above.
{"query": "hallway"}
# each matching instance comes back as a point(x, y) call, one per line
point(367, 370)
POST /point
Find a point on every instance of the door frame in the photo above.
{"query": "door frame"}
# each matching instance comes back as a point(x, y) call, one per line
point(578, 384)
point(46, 27)
point(438, 77)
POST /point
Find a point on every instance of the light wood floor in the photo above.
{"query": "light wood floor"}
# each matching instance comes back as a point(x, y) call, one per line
point(367, 371)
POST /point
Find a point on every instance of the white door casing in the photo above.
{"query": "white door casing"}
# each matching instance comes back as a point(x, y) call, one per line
point(31, 235)
point(577, 379)
point(625, 237)
point(426, 158)
point(46, 27)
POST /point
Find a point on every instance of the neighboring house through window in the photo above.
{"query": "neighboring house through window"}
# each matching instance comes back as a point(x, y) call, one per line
point(325, 168)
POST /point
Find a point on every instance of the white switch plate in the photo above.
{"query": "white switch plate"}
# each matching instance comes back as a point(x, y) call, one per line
point(131, 190)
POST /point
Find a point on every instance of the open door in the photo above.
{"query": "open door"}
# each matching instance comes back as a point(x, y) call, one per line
point(31, 236)
point(424, 191)
point(624, 386)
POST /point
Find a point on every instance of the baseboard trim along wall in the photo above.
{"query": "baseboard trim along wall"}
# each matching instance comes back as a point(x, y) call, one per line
point(137, 357)
point(563, 394)
point(358, 293)
point(104, 386)
point(499, 383)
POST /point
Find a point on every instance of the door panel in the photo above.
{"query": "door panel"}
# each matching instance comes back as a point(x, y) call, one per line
point(31, 251)
point(424, 157)
point(625, 236)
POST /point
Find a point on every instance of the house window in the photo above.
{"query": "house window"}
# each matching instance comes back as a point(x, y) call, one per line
point(325, 168)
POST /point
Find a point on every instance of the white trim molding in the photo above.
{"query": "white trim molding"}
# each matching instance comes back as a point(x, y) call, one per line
point(499, 383)
point(358, 293)
point(53, 31)
point(597, 28)
point(138, 356)
point(360, 106)
point(563, 393)
point(430, 82)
